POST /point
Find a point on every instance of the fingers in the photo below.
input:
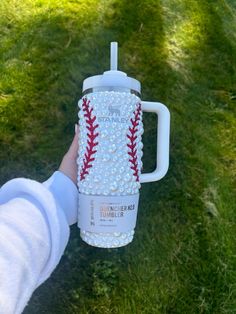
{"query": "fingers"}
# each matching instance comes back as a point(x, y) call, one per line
point(68, 165)
point(73, 149)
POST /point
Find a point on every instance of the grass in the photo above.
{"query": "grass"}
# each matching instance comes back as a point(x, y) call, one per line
point(182, 259)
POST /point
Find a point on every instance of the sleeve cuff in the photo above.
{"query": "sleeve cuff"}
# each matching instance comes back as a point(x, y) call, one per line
point(54, 216)
point(65, 193)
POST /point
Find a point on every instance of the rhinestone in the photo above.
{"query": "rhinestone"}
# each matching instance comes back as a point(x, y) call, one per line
point(104, 134)
point(106, 157)
point(113, 138)
point(127, 177)
point(140, 145)
point(122, 169)
point(116, 243)
point(112, 148)
point(118, 178)
point(114, 170)
point(97, 179)
point(114, 186)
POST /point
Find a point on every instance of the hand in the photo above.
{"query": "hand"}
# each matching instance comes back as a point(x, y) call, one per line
point(69, 165)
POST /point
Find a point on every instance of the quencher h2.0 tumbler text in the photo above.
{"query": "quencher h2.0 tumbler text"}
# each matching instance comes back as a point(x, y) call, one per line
point(109, 156)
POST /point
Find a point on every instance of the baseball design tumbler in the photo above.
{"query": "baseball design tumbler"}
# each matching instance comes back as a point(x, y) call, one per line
point(109, 156)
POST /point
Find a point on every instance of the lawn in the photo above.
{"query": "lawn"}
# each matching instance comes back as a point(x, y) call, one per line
point(183, 257)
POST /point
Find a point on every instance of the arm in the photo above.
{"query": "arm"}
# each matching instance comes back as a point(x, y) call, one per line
point(34, 231)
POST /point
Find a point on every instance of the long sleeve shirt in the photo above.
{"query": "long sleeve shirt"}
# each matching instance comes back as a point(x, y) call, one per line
point(34, 231)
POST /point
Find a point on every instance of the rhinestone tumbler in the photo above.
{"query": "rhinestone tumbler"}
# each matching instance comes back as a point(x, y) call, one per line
point(109, 156)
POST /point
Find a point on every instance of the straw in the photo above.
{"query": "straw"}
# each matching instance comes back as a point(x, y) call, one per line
point(114, 56)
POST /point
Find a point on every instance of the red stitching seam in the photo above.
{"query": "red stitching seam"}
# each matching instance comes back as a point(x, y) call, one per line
point(132, 145)
point(91, 138)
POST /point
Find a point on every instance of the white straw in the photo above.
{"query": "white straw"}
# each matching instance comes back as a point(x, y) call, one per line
point(114, 55)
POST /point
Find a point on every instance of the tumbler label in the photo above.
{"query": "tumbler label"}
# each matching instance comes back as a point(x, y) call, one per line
point(107, 213)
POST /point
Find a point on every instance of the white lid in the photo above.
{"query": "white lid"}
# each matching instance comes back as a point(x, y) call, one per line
point(112, 78)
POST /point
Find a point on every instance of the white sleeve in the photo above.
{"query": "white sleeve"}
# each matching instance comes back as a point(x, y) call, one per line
point(34, 231)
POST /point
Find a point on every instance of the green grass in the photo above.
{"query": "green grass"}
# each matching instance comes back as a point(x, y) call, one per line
point(182, 259)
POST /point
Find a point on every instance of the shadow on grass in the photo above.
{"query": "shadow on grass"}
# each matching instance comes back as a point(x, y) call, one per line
point(198, 186)
point(217, 55)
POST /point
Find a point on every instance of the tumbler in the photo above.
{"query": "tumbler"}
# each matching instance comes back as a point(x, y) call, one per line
point(110, 153)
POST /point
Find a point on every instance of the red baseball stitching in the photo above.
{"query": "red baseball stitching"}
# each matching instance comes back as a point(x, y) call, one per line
point(91, 138)
point(132, 144)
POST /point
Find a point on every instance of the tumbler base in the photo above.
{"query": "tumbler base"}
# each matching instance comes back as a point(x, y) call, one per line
point(107, 240)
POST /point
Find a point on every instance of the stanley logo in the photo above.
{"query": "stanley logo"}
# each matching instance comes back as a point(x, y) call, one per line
point(114, 110)
point(114, 115)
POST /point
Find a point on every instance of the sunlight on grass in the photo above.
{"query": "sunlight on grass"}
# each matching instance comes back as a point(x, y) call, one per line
point(185, 36)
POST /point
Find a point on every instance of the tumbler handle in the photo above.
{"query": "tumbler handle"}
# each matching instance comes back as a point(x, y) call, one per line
point(163, 137)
